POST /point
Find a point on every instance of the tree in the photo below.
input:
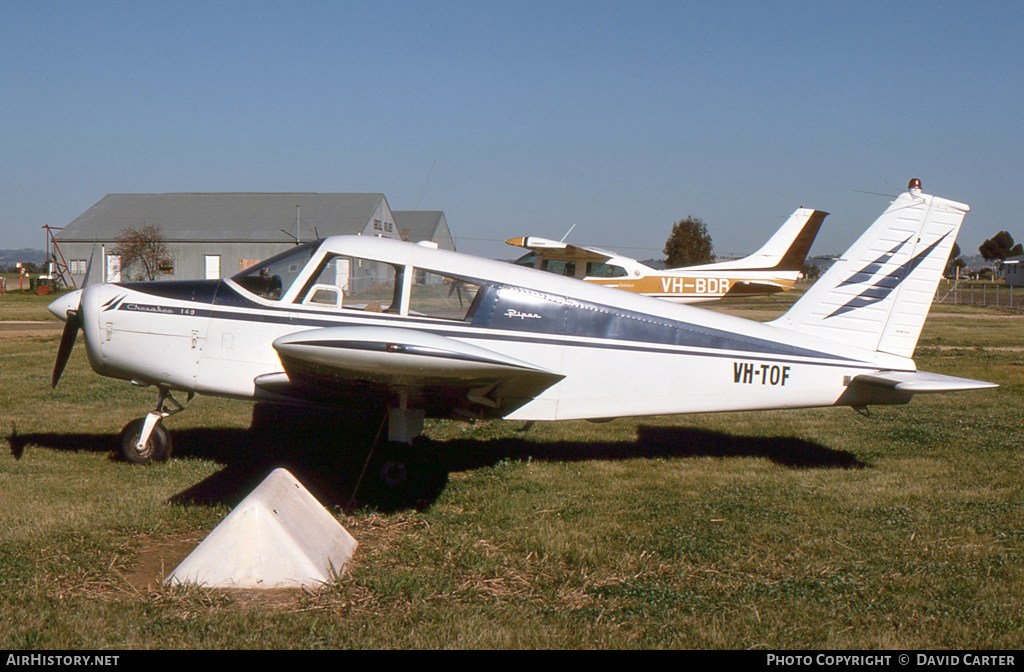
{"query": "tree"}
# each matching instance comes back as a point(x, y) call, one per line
point(810, 271)
point(688, 244)
point(143, 252)
point(999, 247)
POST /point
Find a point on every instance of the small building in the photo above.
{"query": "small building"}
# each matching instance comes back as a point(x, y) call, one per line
point(1011, 270)
point(214, 235)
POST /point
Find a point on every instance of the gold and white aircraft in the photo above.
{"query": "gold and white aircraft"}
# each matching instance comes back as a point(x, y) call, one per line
point(773, 268)
point(363, 322)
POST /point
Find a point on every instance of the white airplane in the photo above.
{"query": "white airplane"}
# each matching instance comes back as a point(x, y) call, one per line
point(773, 268)
point(422, 332)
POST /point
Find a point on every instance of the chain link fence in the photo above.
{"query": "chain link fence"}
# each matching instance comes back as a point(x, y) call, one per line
point(995, 295)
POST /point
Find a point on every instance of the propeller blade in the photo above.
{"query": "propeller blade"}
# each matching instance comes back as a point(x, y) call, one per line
point(456, 287)
point(88, 268)
point(67, 342)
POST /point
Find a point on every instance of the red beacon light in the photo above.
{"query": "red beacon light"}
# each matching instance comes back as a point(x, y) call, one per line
point(914, 184)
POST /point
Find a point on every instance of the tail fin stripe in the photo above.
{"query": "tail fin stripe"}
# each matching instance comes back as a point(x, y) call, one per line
point(884, 287)
point(874, 267)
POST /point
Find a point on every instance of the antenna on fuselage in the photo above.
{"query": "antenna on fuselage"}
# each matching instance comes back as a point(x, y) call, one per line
point(567, 233)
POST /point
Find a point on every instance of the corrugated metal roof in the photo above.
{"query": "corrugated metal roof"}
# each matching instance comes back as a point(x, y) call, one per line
point(255, 217)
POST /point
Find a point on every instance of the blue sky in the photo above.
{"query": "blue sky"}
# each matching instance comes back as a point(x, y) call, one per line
point(521, 117)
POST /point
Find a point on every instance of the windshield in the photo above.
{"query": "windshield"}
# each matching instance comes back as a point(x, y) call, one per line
point(528, 260)
point(272, 278)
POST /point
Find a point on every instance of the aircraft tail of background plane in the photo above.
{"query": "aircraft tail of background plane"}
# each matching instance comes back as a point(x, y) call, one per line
point(785, 250)
point(877, 295)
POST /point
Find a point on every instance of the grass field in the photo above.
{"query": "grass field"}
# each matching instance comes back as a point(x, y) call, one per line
point(794, 529)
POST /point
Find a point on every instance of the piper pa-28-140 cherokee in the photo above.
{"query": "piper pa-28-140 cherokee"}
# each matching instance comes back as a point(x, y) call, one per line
point(422, 332)
point(774, 268)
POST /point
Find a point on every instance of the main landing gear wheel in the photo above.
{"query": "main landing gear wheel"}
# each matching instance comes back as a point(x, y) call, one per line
point(399, 476)
point(157, 448)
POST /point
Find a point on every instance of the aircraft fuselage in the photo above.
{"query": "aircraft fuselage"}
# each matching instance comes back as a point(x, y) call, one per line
point(531, 346)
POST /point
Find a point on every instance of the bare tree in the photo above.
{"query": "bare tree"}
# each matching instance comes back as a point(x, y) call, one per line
point(143, 252)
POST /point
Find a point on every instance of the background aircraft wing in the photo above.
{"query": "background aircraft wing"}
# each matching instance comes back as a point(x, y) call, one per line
point(386, 364)
point(553, 249)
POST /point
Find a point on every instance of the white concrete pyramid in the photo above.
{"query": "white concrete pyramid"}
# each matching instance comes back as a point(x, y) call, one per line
point(279, 536)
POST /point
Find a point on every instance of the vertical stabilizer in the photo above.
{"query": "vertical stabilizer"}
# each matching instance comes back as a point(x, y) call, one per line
point(877, 295)
point(784, 251)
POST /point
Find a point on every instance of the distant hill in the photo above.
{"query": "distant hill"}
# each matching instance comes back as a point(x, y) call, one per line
point(9, 258)
point(977, 262)
point(25, 254)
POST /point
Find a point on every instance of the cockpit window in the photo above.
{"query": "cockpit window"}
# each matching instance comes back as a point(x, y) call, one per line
point(529, 260)
point(272, 278)
point(355, 284)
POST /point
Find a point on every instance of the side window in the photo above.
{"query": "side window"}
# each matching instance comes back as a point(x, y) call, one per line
point(444, 296)
point(354, 284)
point(597, 269)
point(559, 267)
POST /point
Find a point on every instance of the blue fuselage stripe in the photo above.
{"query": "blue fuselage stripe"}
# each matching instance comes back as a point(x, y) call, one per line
point(276, 317)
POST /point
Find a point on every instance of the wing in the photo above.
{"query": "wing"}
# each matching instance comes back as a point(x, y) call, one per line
point(382, 365)
point(553, 249)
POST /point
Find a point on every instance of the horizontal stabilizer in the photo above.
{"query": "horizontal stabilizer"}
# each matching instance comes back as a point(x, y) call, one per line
point(750, 287)
point(919, 382)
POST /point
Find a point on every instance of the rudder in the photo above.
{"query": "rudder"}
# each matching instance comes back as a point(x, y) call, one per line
point(877, 295)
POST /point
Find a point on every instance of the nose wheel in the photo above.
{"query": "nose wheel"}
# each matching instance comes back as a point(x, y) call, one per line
point(145, 440)
point(156, 448)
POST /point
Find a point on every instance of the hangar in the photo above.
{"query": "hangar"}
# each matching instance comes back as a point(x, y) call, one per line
point(214, 235)
point(420, 225)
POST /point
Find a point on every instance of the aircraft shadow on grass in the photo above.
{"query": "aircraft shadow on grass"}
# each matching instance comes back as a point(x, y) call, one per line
point(331, 472)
